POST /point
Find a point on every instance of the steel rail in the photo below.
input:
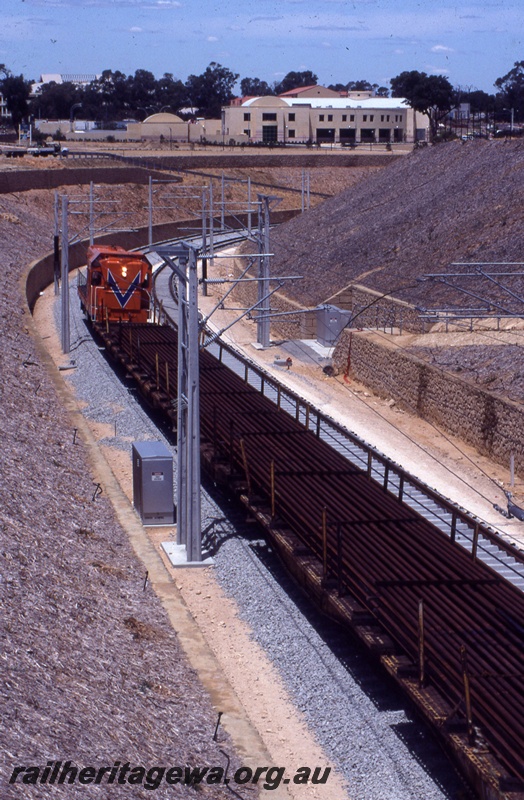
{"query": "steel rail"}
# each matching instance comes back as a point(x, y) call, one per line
point(387, 540)
point(389, 555)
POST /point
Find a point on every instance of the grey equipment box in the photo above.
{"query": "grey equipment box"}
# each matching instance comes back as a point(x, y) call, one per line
point(153, 483)
point(331, 321)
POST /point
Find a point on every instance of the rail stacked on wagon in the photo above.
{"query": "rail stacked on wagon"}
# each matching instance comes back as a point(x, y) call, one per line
point(370, 547)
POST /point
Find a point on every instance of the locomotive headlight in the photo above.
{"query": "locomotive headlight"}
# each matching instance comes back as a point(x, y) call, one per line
point(124, 272)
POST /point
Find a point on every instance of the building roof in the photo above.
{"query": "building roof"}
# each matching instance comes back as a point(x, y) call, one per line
point(61, 77)
point(386, 103)
point(162, 117)
point(268, 101)
point(310, 91)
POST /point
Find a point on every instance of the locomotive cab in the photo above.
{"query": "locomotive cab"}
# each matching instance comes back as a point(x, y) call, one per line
point(116, 285)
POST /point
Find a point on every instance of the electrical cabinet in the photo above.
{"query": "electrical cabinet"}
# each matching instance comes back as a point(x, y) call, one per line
point(331, 321)
point(153, 483)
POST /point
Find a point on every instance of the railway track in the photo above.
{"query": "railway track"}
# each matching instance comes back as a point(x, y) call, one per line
point(460, 526)
point(429, 588)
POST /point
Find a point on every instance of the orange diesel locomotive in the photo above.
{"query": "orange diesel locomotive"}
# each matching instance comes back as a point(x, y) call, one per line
point(115, 286)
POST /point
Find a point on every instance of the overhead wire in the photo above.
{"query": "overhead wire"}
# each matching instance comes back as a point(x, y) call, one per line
point(307, 353)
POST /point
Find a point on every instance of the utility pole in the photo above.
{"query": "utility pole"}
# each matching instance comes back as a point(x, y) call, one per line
point(66, 338)
point(56, 247)
point(182, 258)
point(91, 214)
point(264, 306)
point(150, 212)
point(204, 243)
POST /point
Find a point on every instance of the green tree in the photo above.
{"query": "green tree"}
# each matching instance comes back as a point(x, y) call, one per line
point(211, 90)
point(429, 94)
point(480, 102)
point(360, 86)
point(254, 87)
point(107, 97)
point(15, 90)
point(511, 91)
point(54, 100)
point(142, 88)
point(295, 80)
point(170, 93)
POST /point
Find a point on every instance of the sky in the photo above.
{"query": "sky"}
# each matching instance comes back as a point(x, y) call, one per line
point(471, 44)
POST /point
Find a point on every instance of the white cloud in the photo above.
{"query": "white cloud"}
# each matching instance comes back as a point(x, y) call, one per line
point(436, 70)
point(135, 30)
point(212, 39)
point(150, 5)
point(441, 48)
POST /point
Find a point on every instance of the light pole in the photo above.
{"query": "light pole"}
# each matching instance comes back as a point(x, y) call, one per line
point(512, 119)
point(72, 115)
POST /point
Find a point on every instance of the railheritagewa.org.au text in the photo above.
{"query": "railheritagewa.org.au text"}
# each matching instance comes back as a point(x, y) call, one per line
point(122, 773)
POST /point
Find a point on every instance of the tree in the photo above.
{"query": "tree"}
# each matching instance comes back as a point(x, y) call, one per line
point(429, 94)
point(254, 87)
point(171, 92)
point(480, 102)
point(211, 90)
point(15, 90)
point(54, 100)
point(295, 80)
point(360, 86)
point(107, 97)
point(511, 89)
point(142, 88)
point(337, 87)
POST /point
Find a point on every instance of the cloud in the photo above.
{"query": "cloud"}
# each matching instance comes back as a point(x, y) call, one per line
point(436, 70)
point(134, 29)
point(265, 19)
point(212, 39)
point(23, 28)
point(441, 48)
point(151, 5)
point(334, 28)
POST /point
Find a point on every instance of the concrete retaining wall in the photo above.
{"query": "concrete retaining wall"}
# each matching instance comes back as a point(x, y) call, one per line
point(492, 424)
point(41, 272)
point(253, 160)
point(372, 310)
point(24, 180)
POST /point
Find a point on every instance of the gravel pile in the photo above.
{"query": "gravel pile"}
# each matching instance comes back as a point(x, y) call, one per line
point(356, 713)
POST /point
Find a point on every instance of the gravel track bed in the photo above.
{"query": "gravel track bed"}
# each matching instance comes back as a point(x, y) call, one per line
point(356, 713)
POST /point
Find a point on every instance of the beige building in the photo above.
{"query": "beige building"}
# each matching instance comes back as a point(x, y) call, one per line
point(319, 115)
point(167, 127)
point(161, 128)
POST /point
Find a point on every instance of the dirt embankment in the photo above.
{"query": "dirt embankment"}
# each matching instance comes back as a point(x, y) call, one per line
point(91, 664)
point(439, 205)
